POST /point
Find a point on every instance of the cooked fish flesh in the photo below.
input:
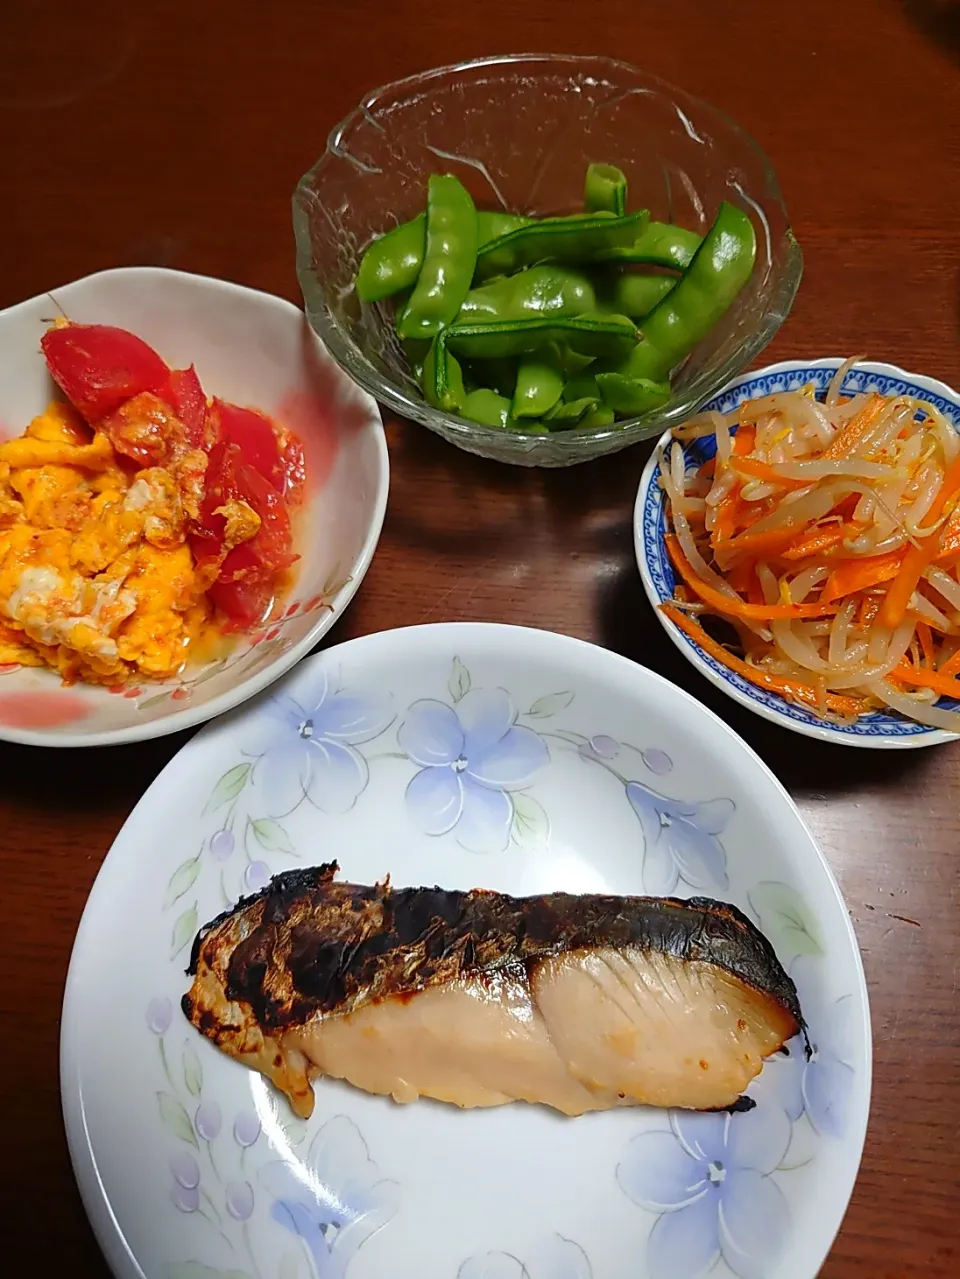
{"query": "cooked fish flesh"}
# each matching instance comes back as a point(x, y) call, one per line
point(577, 1002)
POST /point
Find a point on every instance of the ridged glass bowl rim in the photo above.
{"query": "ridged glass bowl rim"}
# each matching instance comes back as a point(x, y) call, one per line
point(346, 352)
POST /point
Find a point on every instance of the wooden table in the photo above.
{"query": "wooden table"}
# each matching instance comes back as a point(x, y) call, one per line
point(173, 134)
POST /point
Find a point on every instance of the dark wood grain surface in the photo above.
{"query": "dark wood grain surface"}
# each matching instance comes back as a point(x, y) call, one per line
point(173, 134)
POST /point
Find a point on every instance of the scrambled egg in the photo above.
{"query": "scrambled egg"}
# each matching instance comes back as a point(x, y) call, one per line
point(97, 579)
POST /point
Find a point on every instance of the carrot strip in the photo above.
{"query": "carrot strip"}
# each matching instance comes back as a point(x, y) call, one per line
point(945, 685)
point(843, 444)
point(819, 540)
point(951, 666)
point(860, 574)
point(771, 543)
point(788, 688)
point(926, 643)
point(736, 607)
point(762, 471)
point(897, 599)
point(744, 440)
point(950, 538)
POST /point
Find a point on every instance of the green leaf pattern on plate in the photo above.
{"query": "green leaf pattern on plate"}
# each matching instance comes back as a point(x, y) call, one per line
point(786, 919)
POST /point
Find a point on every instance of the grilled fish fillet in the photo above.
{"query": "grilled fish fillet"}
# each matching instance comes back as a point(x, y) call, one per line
point(577, 1002)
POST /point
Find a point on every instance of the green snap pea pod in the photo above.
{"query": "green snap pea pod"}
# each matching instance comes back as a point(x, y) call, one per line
point(635, 295)
point(569, 413)
point(442, 379)
point(574, 362)
point(541, 290)
point(592, 334)
point(581, 238)
point(449, 257)
point(539, 383)
point(392, 262)
point(661, 244)
point(415, 349)
point(599, 415)
point(485, 406)
point(500, 375)
point(493, 223)
point(631, 396)
point(719, 270)
point(583, 386)
point(605, 187)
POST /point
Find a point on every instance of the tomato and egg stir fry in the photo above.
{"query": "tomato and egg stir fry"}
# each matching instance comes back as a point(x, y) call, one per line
point(139, 522)
point(827, 535)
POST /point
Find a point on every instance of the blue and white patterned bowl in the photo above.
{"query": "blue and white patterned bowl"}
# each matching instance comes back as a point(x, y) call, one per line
point(882, 730)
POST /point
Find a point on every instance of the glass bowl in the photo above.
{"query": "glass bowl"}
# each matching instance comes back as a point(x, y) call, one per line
point(519, 132)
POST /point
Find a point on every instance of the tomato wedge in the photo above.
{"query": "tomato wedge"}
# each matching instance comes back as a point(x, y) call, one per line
point(98, 367)
point(247, 575)
point(186, 398)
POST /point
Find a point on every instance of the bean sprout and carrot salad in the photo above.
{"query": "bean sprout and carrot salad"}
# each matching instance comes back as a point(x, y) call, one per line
point(826, 534)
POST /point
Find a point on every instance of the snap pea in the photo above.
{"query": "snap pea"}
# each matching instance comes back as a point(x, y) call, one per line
point(493, 223)
point(500, 375)
point(633, 294)
point(605, 187)
point(590, 334)
point(392, 262)
point(661, 244)
point(485, 406)
point(449, 258)
point(539, 383)
point(442, 379)
point(581, 238)
point(631, 395)
point(599, 415)
point(540, 290)
point(574, 362)
point(719, 270)
point(569, 412)
point(582, 387)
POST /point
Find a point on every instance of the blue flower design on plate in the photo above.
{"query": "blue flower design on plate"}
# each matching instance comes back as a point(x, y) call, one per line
point(819, 1085)
point(557, 1258)
point(680, 840)
point(709, 1180)
point(334, 1200)
point(310, 747)
point(652, 547)
point(469, 756)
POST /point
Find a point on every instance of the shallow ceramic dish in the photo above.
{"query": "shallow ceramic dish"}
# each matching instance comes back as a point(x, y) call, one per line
point(882, 730)
point(608, 779)
point(519, 131)
point(253, 349)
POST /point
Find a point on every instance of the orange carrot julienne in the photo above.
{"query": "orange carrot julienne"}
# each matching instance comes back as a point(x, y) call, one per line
point(951, 666)
point(897, 599)
point(945, 685)
point(737, 607)
point(793, 689)
point(950, 538)
point(819, 540)
point(860, 573)
point(847, 439)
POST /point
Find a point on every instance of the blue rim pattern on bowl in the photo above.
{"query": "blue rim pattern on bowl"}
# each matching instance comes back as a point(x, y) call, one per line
point(881, 729)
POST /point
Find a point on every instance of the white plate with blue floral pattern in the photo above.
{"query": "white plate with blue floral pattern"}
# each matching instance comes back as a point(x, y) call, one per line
point(883, 729)
point(460, 755)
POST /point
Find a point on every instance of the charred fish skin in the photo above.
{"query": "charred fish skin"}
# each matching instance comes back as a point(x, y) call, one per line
point(306, 945)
